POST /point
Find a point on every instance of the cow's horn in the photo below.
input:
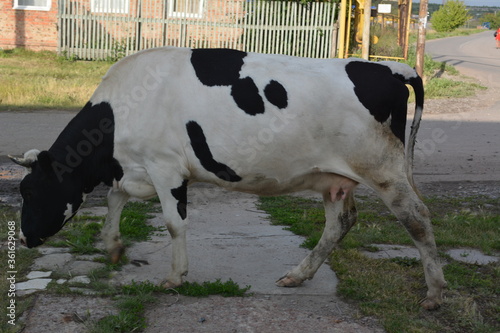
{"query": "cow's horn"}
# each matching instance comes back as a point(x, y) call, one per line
point(20, 160)
point(27, 160)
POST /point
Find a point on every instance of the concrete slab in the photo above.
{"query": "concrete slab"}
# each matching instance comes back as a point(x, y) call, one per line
point(253, 314)
point(80, 279)
point(228, 238)
point(388, 251)
point(52, 262)
point(82, 267)
point(37, 284)
point(73, 314)
point(471, 256)
point(38, 274)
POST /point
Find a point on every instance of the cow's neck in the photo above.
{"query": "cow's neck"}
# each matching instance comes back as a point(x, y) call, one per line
point(84, 149)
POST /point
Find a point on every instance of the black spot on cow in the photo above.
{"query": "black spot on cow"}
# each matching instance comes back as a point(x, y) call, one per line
point(85, 147)
point(217, 67)
point(381, 92)
point(247, 97)
point(276, 94)
point(180, 193)
point(204, 155)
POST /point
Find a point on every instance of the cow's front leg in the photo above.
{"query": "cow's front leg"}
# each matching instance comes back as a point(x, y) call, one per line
point(340, 217)
point(111, 230)
point(174, 201)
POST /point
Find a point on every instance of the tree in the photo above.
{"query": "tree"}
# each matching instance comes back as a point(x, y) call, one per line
point(450, 16)
point(494, 20)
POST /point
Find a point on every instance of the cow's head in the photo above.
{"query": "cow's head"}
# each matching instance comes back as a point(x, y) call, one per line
point(49, 200)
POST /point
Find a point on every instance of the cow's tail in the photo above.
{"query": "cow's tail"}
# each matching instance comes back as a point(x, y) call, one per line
point(418, 87)
point(408, 75)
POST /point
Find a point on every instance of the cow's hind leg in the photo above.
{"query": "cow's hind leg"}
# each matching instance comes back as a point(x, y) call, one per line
point(414, 215)
point(111, 230)
point(340, 217)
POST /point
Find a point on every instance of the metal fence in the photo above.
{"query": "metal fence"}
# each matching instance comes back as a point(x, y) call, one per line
point(101, 29)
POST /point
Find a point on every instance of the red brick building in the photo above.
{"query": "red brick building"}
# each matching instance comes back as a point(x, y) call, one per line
point(35, 24)
point(28, 23)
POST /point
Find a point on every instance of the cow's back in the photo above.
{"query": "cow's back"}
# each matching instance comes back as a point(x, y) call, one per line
point(262, 116)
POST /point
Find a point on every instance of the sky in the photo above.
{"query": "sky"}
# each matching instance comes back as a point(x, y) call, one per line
point(491, 3)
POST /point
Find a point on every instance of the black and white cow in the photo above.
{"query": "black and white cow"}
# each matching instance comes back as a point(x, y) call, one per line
point(266, 124)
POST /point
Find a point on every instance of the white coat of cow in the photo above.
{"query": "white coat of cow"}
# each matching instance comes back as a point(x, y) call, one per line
point(266, 124)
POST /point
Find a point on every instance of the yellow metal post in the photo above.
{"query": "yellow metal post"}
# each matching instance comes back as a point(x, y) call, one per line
point(342, 29)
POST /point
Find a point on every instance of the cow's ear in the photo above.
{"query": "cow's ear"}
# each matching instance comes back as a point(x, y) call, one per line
point(45, 160)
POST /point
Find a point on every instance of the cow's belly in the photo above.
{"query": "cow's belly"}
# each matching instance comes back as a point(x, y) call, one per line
point(136, 182)
point(321, 182)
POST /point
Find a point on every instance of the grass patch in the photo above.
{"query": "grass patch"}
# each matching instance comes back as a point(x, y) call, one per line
point(432, 34)
point(193, 289)
point(134, 298)
point(390, 289)
point(44, 80)
point(447, 88)
point(83, 231)
point(133, 226)
point(80, 235)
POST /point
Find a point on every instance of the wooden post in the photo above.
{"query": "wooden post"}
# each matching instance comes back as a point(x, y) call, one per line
point(403, 16)
point(422, 22)
point(365, 46)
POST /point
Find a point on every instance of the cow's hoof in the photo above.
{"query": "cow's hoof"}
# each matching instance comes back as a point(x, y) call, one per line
point(287, 281)
point(430, 304)
point(170, 285)
point(116, 253)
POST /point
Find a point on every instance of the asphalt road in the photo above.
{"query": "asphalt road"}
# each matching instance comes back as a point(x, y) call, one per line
point(474, 55)
point(463, 146)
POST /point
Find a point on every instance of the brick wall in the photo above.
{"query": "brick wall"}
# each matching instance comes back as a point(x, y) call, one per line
point(32, 29)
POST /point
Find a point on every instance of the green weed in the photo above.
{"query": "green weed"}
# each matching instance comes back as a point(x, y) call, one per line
point(134, 298)
point(82, 232)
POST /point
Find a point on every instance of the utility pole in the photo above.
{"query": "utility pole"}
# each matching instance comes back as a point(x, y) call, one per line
point(422, 23)
point(365, 46)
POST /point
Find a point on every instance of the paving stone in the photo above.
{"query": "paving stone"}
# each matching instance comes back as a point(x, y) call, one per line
point(471, 256)
point(89, 257)
point(26, 292)
point(38, 284)
point(64, 314)
point(52, 262)
point(80, 279)
point(61, 281)
point(84, 291)
point(387, 251)
point(53, 250)
point(38, 274)
point(82, 267)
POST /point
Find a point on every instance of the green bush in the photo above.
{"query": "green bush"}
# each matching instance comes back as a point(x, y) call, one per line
point(450, 16)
